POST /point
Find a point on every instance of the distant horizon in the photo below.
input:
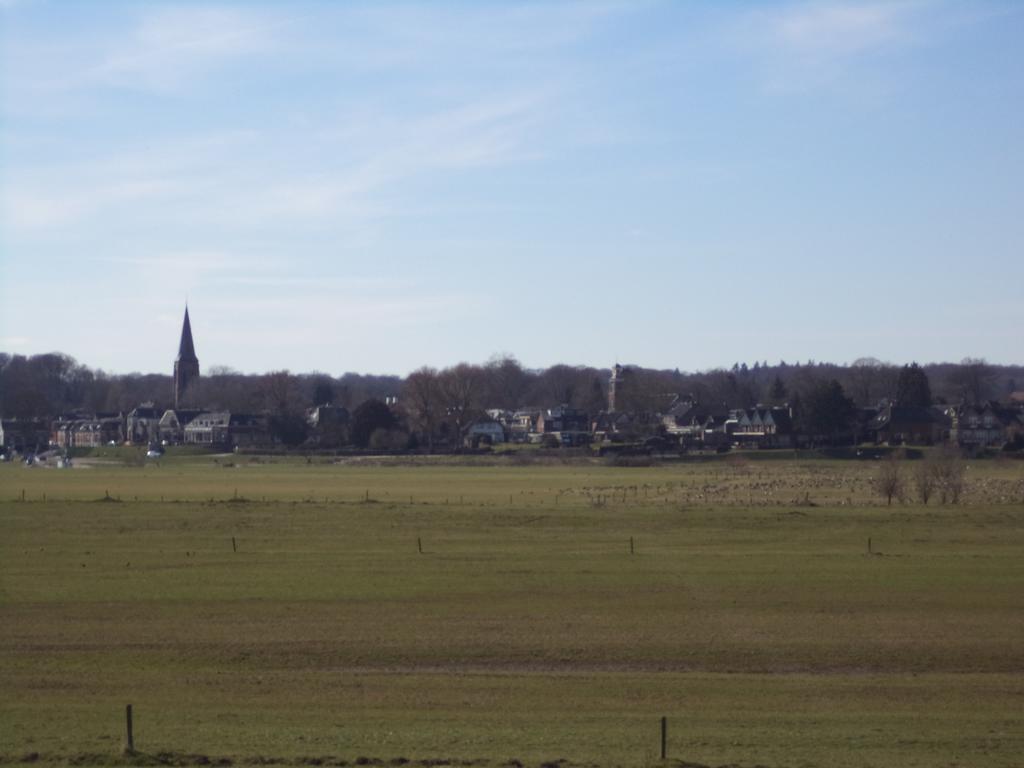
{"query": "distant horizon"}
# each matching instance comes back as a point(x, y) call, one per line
point(204, 369)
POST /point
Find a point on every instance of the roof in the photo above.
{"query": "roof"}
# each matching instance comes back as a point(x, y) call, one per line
point(486, 423)
point(1004, 414)
point(783, 421)
point(698, 413)
point(186, 349)
point(145, 412)
point(247, 420)
point(180, 415)
point(565, 412)
point(901, 415)
point(209, 419)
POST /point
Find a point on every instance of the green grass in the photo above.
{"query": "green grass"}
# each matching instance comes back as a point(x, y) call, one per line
point(750, 614)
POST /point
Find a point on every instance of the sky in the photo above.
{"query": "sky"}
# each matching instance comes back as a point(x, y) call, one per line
point(379, 186)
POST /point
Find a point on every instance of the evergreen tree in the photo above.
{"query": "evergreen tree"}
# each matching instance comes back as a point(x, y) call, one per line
point(912, 387)
point(778, 392)
point(827, 411)
point(368, 418)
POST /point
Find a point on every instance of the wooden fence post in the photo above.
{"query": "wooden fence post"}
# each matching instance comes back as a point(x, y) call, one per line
point(129, 736)
point(664, 737)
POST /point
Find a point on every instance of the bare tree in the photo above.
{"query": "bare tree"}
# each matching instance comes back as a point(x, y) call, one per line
point(422, 398)
point(282, 397)
point(924, 481)
point(863, 378)
point(889, 482)
point(973, 379)
point(561, 383)
point(947, 467)
point(461, 388)
point(505, 382)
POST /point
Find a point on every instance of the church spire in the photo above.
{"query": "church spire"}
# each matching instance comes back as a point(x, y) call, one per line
point(186, 367)
point(186, 349)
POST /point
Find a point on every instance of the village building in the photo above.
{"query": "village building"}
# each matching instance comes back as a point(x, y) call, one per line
point(611, 425)
point(984, 424)
point(248, 430)
point(171, 427)
point(760, 427)
point(208, 428)
point(904, 424)
point(523, 423)
point(142, 424)
point(24, 434)
point(696, 424)
point(485, 431)
point(226, 430)
point(328, 424)
point(92, 433)
point(569, 426)
point(77, 431)
point(562, 419)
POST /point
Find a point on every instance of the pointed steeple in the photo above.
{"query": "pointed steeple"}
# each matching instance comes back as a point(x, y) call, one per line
point(186, 349)
point(186, 367)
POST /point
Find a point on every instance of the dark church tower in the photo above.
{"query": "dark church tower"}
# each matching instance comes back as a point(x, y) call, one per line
point(186, 367)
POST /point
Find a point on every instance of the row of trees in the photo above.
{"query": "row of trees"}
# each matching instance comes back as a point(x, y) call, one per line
point(51, 384)
point(940, 476)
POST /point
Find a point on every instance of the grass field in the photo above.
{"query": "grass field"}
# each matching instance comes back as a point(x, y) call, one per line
point(750, 613)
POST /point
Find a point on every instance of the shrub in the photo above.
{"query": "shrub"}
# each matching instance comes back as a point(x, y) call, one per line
point(889, 482)
point(947, 468)
point(924, 481)
point(389, 440)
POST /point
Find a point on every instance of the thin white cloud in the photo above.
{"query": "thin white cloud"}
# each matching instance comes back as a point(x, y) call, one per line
point(284, 174)
point(807, 45)
point(46, 207)
point(167, 48)
point(189, 268)
point(482, 133)
point(129, 181)
point(838, 29)
point(209, 260)
point(348, 306)
point(172, 46)
point(411, 36)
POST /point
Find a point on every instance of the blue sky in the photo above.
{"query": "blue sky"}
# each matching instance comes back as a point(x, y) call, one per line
point(380, 186)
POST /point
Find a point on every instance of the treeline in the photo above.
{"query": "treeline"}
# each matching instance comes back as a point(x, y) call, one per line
point(52, 384)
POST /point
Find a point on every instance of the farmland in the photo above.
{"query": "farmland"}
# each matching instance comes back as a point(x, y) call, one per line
point(257, 609)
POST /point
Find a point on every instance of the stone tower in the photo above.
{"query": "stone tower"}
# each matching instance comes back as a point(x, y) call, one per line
point(186, 367)
point(613, 384)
